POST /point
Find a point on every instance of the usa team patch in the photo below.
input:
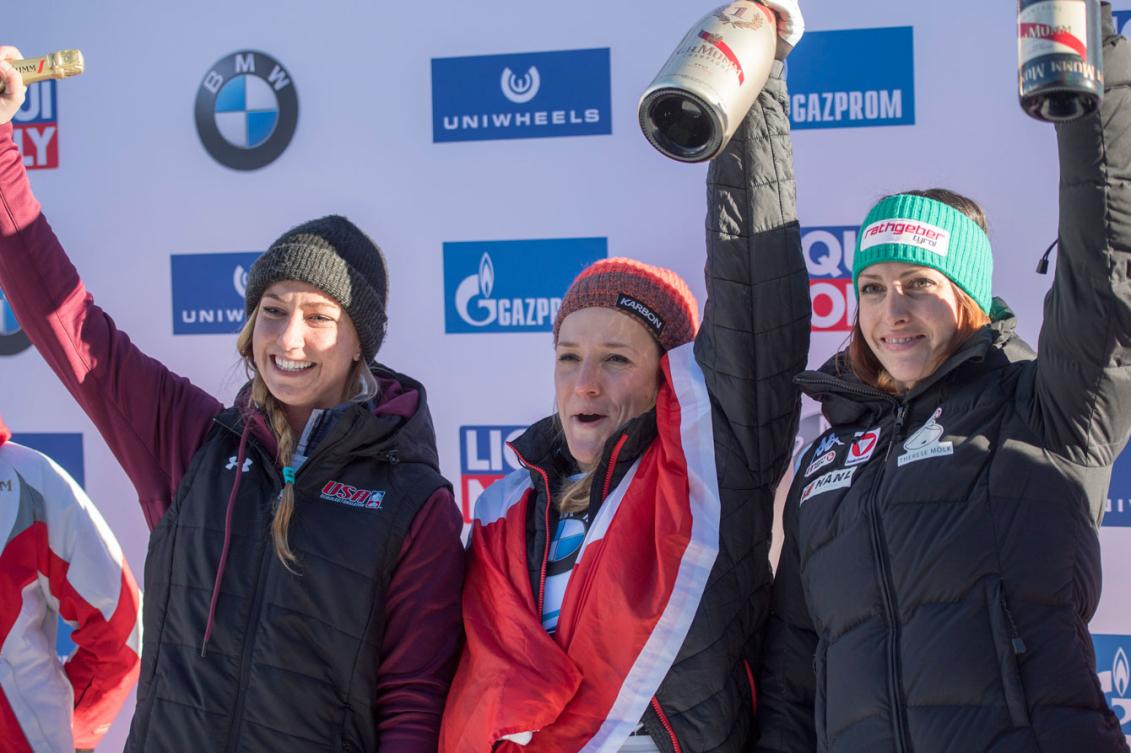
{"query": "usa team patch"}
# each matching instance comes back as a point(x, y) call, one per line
point(336, 491)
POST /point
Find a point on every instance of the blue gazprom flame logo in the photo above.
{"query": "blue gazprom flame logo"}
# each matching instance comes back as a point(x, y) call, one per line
point(479, 287)
point(1114, 672)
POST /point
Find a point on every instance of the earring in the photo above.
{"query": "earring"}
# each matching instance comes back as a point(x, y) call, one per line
point(357, 356)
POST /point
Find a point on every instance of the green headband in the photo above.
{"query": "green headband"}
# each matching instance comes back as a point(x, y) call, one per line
point(917, 230)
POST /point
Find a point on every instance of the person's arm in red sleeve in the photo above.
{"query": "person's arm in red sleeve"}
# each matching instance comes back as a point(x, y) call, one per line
point(423, 630)
point(152, 419)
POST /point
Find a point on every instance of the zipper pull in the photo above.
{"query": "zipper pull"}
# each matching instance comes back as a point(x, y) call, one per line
point(900, 414)
point(392, 457)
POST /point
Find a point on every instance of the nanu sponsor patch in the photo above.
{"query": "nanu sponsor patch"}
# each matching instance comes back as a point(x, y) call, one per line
point(336, 491)
point(838, 479)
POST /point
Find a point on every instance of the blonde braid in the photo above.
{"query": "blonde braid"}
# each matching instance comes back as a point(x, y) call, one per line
point(262, 398)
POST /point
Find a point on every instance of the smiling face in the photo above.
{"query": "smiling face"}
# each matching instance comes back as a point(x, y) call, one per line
point(909, 317)
point(607, 371)
point(304, 346)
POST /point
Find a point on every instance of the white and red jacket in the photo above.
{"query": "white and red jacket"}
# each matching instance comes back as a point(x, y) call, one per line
point(59, 558)
point(637, 584)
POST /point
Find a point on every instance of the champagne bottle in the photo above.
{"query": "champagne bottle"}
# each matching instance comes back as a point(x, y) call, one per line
point(1060, 68)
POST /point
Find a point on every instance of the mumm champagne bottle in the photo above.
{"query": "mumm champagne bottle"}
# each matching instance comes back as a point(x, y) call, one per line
point(702, 93)
point(1060, 69)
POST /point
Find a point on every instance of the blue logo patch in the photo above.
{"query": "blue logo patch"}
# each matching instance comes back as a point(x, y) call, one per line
point(208, 292)
point(853, 79)
point(35, 127)
point(521, 96)
point(12, 338)
point(1122, 18)
point(484, 458)
point(1114, 670)
point(1118, 510)
point(512, 286)
point(828, 255)
point(66, 450)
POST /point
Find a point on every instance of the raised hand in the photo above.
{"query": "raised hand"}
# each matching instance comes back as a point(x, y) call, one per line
point(12, 97)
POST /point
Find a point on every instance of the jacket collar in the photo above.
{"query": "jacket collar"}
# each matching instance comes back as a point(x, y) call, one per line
point(395, 426)
point(846, 400)
point(543, 448)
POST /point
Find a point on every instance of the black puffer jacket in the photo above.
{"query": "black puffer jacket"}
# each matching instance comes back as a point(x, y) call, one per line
point(941, 559)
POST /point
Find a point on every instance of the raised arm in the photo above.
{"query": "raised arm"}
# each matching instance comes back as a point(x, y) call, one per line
point(152, 419)
point(1083, 381)
point(755, 333)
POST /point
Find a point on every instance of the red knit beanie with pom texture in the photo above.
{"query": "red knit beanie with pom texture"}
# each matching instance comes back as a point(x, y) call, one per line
point(656, 297)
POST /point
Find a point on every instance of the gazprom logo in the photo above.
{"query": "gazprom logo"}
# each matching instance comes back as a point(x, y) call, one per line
point(828, 255)
point(512, 286)
point(1118, 509)
point(1114, 671)
point(484, 459)
point(874, 87)
point(208, 292)
point(521, 96)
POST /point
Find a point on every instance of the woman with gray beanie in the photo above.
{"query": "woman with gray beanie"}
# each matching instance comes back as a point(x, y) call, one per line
point(304, 568)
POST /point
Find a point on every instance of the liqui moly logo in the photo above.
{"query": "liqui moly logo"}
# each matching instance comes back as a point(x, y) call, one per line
point(336, 491)
point(908, 233)
point(484, 459)
point(828, 255)
point(1114, 671)
point(35, 127)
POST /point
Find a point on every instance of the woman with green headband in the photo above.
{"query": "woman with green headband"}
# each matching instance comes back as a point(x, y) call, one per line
point(941, 558)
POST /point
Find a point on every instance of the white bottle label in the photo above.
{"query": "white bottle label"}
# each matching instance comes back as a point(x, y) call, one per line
point(1057, 27)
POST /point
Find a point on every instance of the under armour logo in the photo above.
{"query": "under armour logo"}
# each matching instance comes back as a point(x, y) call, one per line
point(232, 464)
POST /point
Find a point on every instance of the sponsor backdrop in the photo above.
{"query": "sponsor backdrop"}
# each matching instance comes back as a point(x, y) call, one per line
point(492, 150)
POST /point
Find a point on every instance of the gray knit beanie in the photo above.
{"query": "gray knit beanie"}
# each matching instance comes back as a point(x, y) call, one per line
point(335, 256)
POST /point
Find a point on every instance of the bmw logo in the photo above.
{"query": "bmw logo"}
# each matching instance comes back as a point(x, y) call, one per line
point(246, 110)
point(12, 338)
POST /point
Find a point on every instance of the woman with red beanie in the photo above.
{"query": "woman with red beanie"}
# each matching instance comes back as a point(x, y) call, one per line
point(618, 586)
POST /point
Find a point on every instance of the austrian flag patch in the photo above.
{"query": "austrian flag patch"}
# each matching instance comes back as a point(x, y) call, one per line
point(336, 491)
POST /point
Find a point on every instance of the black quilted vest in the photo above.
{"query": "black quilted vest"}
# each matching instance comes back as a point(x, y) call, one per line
point(292, 660)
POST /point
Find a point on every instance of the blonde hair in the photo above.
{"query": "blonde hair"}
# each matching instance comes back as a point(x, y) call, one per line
point(276, 415)
point(574, 495)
